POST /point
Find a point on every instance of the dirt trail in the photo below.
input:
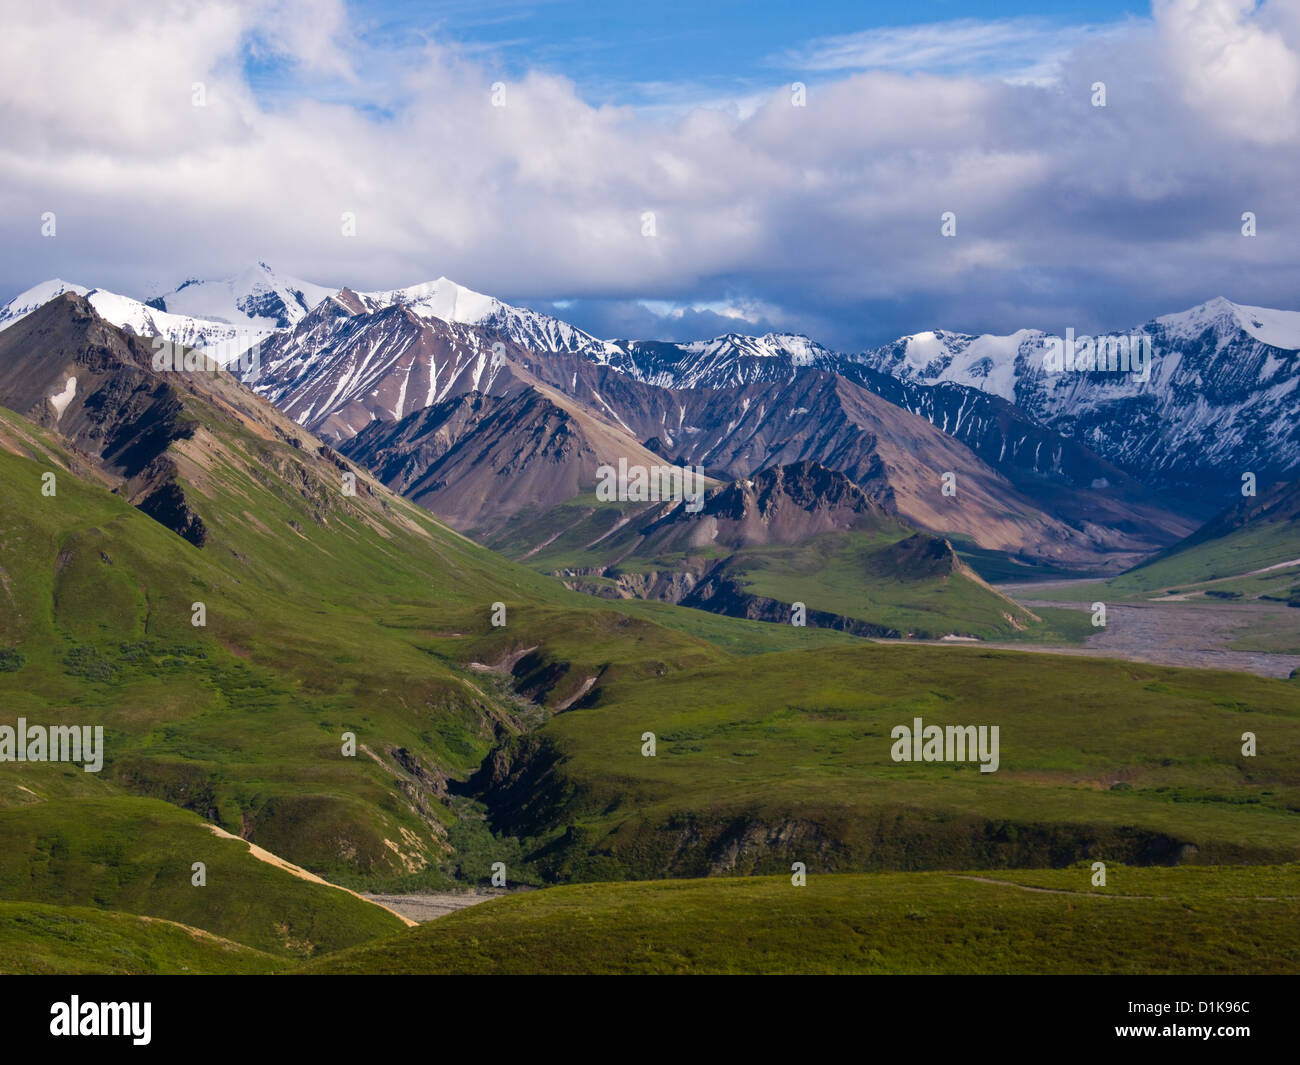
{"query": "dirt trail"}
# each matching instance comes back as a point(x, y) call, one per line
point(263, 855)
point(1054, 891)
point(586, 687)
point(197, 933)
point(1107, 895)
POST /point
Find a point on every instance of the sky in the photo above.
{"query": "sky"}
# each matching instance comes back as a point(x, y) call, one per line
point(851, 171)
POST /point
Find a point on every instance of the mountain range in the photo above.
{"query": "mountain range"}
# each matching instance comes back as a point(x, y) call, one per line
point(486, 411)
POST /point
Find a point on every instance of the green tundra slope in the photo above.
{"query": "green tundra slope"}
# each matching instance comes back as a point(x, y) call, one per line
point(137, 856)
point(1191, 919)
point(1251, 550)
point(1257, 533)
point(757, 767)
point(326, 613)
point(1186, 920)
point(38, 939)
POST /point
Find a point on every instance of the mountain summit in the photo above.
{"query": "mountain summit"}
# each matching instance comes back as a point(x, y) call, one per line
point(257, 297)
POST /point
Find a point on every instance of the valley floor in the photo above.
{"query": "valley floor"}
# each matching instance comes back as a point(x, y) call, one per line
point(1196, 634)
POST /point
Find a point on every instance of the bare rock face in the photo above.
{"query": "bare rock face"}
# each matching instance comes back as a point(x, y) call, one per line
point(477, 460)
point(167, 506)
point(159, 436)
point(68, 370)
point(348, 363)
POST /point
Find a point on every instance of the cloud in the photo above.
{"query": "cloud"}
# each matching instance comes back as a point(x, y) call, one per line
point(826, 218)
point(642, 320)
point(1018, 48)
point(1235, 65)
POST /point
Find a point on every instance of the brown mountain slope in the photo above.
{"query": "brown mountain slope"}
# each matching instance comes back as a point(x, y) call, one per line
point(477, 461)
point(899, 459)
point(168, 441)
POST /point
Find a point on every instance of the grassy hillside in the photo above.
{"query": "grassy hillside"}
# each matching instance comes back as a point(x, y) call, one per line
point(36, 939)
point(1252, 549)
point(1220, 921)
point(1207, 920)
point(739, 636)
point(135, 856)
point(323, 616)
point(1241, 551)
point(756, 768)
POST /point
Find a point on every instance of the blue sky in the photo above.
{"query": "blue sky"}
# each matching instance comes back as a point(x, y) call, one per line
point(648, 171)
point(675, 50)
point(619, 44)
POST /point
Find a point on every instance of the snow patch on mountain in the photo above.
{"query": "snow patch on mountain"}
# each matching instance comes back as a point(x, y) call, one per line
point(34, 298)
point(1277, 329)
point(222, 341)
point(447, 301)
point(256, 297)
point(987, 362)
point(60, 400)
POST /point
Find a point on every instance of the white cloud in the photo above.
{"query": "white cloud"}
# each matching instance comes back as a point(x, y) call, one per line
point(1236, 65)
point(821, 217)
point(1021, 49)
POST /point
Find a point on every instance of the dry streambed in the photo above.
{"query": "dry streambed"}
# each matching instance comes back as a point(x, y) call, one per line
point(430, 906)
point(1194, 635)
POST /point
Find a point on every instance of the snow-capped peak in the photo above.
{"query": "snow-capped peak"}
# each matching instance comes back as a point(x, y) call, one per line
point(1277, 329)
point(37, 296)
point(256, 297)
point(768, 346)
point(223, 341)
point(442, 299)
point(448, 301)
